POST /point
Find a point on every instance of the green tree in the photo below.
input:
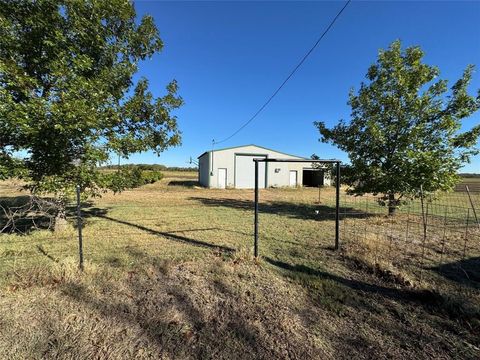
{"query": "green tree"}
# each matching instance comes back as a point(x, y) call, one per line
point(67, 96)
point(404, 130)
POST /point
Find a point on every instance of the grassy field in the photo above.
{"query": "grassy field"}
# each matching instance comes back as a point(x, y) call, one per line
point(169, 273)
point(471, 182)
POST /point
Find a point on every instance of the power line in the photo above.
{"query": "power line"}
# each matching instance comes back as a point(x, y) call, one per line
point(288, 77)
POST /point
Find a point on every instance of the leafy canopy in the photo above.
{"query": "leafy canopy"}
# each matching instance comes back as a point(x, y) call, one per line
point(404, 130)
point(67, 98)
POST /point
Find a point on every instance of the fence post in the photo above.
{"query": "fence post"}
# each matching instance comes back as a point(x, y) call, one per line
point(353, 219)
point(466, 234)
point(408, 224)
point(444, 234)
point(345, 217)
point(255, 245)
point(472, 205)
point(366, 218)
point(424, 221)
point(79, 226)
point(337, 207)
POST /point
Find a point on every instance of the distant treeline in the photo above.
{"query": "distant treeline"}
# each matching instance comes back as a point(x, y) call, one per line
point(469, 175)
point(151, 167)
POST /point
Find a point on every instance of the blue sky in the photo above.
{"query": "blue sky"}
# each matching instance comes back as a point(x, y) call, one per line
point(228, 58)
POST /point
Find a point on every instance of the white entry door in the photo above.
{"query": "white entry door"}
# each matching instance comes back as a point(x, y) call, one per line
point(222, 178)
point(293, 178)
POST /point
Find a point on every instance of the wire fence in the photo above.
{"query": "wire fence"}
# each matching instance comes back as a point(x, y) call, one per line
point(427, 239)
point(117, 234)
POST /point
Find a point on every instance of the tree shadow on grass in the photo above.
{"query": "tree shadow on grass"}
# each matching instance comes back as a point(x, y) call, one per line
point(185, 183)
point(465, 272)
point(450, 305)
point(206, 317)
point(169, 235)
point(426, 298)
point(173, 338)
point(392, 293)
point(44, 252)
point(285, 208)
point(177, 320)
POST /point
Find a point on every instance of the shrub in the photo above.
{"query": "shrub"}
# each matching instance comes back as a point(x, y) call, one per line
point(151, 176)
point(131, 177)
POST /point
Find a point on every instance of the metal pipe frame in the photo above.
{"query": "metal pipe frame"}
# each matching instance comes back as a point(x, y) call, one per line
point(337, 194)
point(329, 161)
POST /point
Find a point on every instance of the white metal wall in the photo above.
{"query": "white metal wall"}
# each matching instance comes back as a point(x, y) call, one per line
point(204, 170)
point(276, 174)
point(245, 171)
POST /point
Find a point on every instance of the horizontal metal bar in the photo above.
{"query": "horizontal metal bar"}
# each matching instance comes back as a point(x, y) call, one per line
point(331, 161)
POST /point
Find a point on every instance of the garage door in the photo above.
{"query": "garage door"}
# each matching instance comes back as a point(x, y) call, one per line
point(245, 172)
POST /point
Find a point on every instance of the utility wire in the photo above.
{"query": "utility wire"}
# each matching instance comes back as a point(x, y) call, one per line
point(288, 77)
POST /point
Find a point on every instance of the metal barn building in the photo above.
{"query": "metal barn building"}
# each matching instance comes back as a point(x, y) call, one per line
point(234, 168)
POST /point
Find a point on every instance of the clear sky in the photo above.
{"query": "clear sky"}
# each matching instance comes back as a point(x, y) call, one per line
point(229, 57)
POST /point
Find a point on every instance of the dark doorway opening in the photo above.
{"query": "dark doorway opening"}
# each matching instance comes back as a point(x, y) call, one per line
point(313, 177)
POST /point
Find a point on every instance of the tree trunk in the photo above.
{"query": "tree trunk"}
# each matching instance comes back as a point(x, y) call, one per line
point(392, 204)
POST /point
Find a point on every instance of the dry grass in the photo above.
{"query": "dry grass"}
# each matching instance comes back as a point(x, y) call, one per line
point(170, 274)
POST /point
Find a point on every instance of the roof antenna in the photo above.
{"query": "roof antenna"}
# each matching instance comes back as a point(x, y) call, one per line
point(192, 161)
point(213, 145)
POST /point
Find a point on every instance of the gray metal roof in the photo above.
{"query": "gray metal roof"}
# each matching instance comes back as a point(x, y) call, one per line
point(261, 147)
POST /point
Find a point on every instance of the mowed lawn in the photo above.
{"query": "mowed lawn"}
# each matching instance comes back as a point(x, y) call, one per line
point(169, 273)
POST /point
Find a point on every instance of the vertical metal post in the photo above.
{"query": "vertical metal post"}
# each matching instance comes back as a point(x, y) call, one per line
point(212, 152)
point(366, 217)
point(255, 245)
point(444, 235)
point(424, 215)
point(472, 205)
point(466, 234)
point(79, 226)
point(407, 229)
point(337, 207)
point(424, 222)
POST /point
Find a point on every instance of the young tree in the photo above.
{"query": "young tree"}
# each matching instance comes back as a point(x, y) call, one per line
point(67, 96)
point(404, 130)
